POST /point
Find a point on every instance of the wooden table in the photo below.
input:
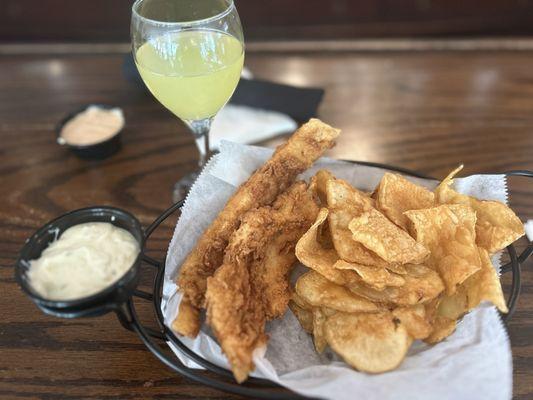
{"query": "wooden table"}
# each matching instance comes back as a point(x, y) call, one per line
point(423, 110)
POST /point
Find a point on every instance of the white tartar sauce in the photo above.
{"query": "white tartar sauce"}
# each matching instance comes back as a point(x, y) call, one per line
point(86, 259)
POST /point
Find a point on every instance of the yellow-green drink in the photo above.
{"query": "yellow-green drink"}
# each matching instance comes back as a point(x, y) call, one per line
point(193, 73)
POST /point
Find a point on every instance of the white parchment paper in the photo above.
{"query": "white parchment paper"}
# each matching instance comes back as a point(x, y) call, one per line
point(243, 124)
point(474, 363)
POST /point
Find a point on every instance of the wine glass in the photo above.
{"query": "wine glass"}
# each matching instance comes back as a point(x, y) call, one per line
point(190, 54)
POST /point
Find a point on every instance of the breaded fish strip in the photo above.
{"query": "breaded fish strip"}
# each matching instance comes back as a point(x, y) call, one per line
point(252, 285)
point(289, 160)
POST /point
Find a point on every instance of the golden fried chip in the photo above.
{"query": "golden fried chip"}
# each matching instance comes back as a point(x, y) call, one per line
point(448, 231)
point(442, 328)
point(497, 226)
point(304, 316)
point(372, 343)
point(318, 185)
point(454, 306)
point(375, 277)
point(323, 236)
point(310, 253)
point(374, 231)
point(318, 330)
point(414, 319)
point(421, 285)
point(344, 204)
point(328, 312)
point(395, 195)
point(485, 285)
point(340, 194)
point(397, 269)
point(384, 296)
point(448, 181)
point(299, 301)
point(431, 308)
point(316, 290)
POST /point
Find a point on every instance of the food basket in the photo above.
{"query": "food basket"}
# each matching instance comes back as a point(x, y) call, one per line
point(156, 336)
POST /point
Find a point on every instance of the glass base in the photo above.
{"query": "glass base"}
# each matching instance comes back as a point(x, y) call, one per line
point(182, 187)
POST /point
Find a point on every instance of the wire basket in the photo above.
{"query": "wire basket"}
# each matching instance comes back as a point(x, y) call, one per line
point(157, 338)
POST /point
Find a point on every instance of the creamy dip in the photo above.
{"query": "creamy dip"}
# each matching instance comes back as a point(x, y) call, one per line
point(86, 259)
point(94, 125)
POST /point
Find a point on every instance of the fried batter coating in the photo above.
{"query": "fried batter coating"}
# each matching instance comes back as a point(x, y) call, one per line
point(305, 146)
point(252, 285)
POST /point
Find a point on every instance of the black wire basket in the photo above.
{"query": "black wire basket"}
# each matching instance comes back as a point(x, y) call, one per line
point(157, 338)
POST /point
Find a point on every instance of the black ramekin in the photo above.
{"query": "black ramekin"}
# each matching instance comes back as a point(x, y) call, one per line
point(110, 298)
point(96, 151)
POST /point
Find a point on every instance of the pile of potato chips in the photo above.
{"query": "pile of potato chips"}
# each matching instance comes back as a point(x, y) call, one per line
point(399, 264)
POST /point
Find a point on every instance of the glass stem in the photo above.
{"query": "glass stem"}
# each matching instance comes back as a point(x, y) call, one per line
point(202, 143)
point(200, 129)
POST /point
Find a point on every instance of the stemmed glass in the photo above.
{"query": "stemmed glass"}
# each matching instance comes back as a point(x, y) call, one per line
point(190, 54)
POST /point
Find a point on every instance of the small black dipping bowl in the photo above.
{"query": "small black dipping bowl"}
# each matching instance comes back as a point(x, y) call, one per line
point(112, 297)
point(96, 151)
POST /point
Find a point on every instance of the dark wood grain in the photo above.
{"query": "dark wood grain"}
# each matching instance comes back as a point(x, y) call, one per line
point(425, 110)
point(104, 20)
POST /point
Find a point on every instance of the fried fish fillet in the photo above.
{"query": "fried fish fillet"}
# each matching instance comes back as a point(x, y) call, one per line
point(252, 285)
point(306, 145)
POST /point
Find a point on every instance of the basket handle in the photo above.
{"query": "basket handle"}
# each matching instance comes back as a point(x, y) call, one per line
point(528, 251)
point(154, 225)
